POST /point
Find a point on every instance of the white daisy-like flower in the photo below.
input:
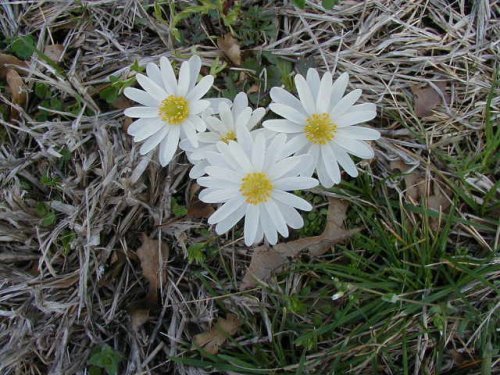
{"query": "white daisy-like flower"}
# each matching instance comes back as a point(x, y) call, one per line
point(321, 123)
point(252, 178)
point(172, 109)
point(223, 128)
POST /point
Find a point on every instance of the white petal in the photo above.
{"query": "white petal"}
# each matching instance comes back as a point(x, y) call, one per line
point(274, 150)
point(217, 195)
point(153, 72)
point(291, 200)
point(324, 93)
point(184, 79)
point(168, 146)
point(276, 217)
point(239, 156)
point(208, 137)
point(268, 226)
point(364, 107)
point(223, 158)
point(141, 97)
point(305, 95)
point(295, 144)
point(255, 118)
point(168, 76)
point(226, 116)
point(146, 112)
point(198, 169)
point(148, 130)
point(330, 163)
point(198, 123)
point(251, 224)
point(194, 70)
point(288, 112)
point(314, 153)
point(260, 235)
point(338, 88)
point(345, 161)
point(358, 132)
point(239, 104)
point(215, 102)
point(231, 220)
point(352, 118)
point(355, 147)
point(217, 183)
point(153, 141)
point(244, 139)
point(283, 126)
point(259, 152)
point(198, 106)
point(151, 87)
point(145, 126)
point(190, 133)
point(313, 81)
point(345, 104)
point(225, 210)
point(295, 183)
point(279, 95)
point(323, 176)
point(243, 117)
point(292, 217)
point(224, 174)
point(290, 167)
point(201, 88)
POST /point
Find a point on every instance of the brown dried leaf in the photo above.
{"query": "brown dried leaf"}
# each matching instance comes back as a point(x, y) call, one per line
point(153, 256)
point(8, 62)
point(54, 52)
point(266, 260)
point(414, 182)
point(427, 98)
point(231, 48)
point(218, 334)
point(196, 208)
point(138, 317)
point(17, 90)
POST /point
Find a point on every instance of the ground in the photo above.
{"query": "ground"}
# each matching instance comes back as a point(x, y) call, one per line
point(413, 290)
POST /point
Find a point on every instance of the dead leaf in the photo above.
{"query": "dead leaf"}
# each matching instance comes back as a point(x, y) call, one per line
point(18, 91)
point(196, 208)
point(427, 98)
point(54, 52)
point(266, 260)
point(139, 314)
point(8, 62)
point(153, 256)
point(231, 48)
point(414, 181)
point(213, 339)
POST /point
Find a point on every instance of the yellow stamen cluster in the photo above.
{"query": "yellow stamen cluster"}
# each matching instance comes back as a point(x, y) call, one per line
point(174, 110)
point(320, 129)
point(256, 187)
point(229, 136)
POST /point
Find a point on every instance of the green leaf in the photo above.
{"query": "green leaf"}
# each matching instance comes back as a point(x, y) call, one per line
point(177, 209)
point(196, 252)
point(46, 214)
point(42, 90)
point(107, 358)
point(23, 46)
point(329, 4)
point(300, 3)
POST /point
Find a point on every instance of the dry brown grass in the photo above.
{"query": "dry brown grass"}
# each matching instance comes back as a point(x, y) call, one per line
point(55, 308)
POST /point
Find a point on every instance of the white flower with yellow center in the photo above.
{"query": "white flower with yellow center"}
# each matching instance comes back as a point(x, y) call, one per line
point(225, 128)
point(321, 123)
point(171, 108)
point(252, 180)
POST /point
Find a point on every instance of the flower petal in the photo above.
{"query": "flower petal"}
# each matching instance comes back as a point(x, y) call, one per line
point(190, 133)
point(184, 79)
point(217, 195)
point(255, 118)
point(198, 123)
point(243, 117)
point(268, 226)
point(145, 112)
point(151, 87)
point(251, 224)
point(324, 93)
point(354, 147)
point(201, 88)
point(359, 132)
point(226, 209)
point(279, 95)
point(153, 141)
point(295, 183)
point(291, 200)
point(330, 163)
point(313, 81)
point(224, 174)
point(345, 104)
point(168, 76)
point(168, 146)
point(153, 72)
point(323, 176)
point(288, 112)
point(198, 106)
point(194, 70)
point(338, 88)
point(352, 118)
point(259, 152)
point(239, 156)
point(305, 95)
point(239, 104)
point(283, 126)
point(276, 217)
point(345, 160)
point(231, 220)
point(141, 97)
point(292, 217)
point(145, 127)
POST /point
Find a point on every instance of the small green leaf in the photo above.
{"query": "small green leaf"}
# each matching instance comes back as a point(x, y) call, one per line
point(46, 214)
point(329, 4)
point(300, 3)
point(23, 46)
point(42, 90)
point(196, 252)
point(177, 209)
point(107, 358)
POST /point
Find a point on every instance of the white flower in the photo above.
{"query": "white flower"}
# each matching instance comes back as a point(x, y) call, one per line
point(321, 124)
point(252, 178)
point(171, 109)
point(232, 117)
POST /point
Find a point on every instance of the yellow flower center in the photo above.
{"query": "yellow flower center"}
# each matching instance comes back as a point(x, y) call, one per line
point(229, 136)
point(256, 187)
point(320, 129)
point(174, 110)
